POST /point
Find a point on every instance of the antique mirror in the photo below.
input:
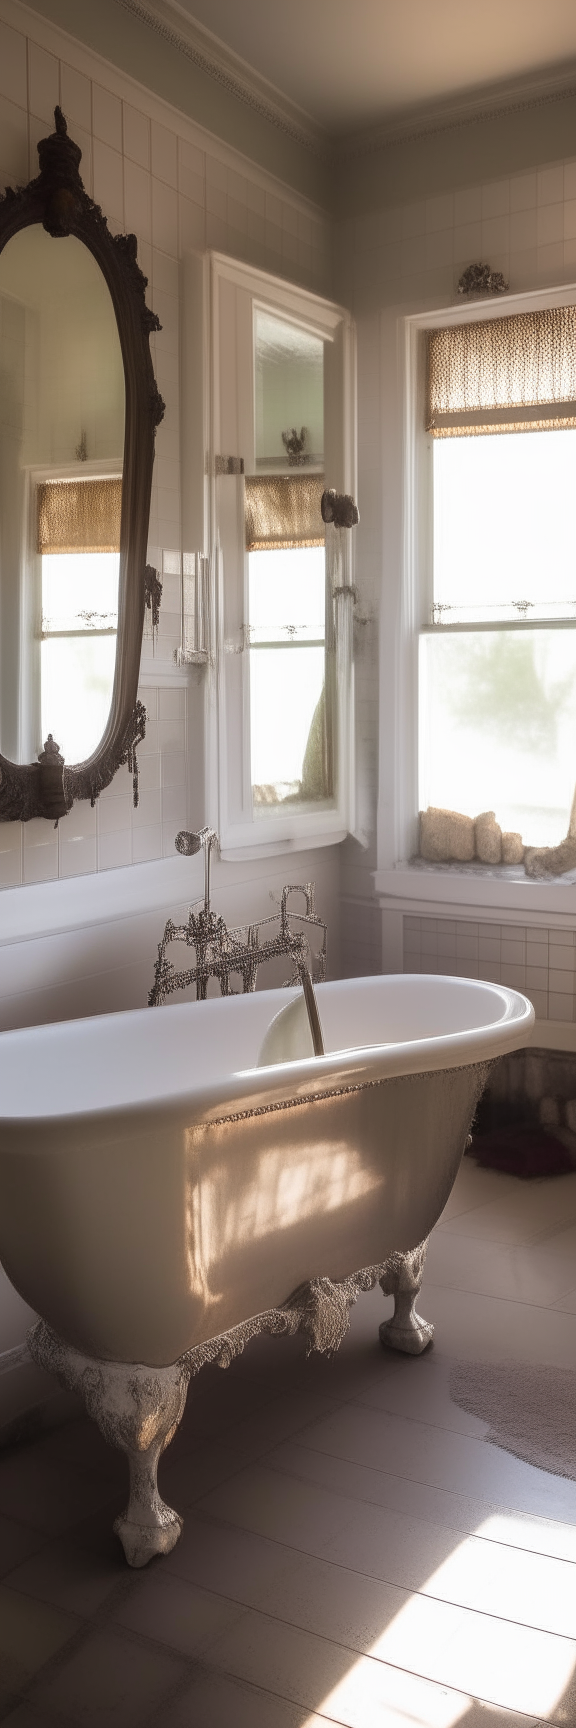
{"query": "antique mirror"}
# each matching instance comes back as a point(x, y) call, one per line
point(78, 412)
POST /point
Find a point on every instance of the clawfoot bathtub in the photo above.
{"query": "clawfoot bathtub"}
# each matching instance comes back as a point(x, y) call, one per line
point(174, 1181)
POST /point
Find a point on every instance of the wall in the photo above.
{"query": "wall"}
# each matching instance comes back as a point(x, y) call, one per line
point(412, 215)
point(166, 57)
point(158, 175)
point(79, 925)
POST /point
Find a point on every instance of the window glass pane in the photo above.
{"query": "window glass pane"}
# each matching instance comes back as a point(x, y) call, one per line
point(80, 591)
point(286, 595)
point(289, 391)
point(498, 727)
point(77, 673)
point(287, 725)
point(504, 542)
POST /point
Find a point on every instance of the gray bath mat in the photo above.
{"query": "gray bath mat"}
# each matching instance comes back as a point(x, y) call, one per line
point(531, 1411)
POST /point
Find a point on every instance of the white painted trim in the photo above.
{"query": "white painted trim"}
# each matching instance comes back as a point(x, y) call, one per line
point(18, 1357)
point(153, 677)
point(227, 708)
point(30, 1399)
point(79, 902)
point(165, 885)
point(465, 311)
point(301, 305)
point(220, 62)
point(475, 897)
point(488, 103)
point(397, 826)
point(553, 1035)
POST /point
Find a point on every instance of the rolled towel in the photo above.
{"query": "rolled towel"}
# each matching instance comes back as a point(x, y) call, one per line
point(446, 836)
point(512, 847)
point(488, 835)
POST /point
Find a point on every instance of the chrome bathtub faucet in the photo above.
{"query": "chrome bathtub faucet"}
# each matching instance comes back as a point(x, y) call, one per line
point(222, 953)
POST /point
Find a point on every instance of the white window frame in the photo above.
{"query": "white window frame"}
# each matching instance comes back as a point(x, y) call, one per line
point(254, 836)
point(417, 562)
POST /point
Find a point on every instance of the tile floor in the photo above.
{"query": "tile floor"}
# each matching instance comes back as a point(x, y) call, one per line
point(354, 1552)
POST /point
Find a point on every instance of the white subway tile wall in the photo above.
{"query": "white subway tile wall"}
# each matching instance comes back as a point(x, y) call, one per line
point(173, 187)
point(539, 961)
point(360, 938)
point(523, 225)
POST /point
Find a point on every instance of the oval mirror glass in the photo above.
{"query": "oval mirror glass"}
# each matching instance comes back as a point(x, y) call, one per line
point(62, 410)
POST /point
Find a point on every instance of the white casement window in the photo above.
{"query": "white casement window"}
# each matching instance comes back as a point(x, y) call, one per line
point(279, 429)
point(495, 558)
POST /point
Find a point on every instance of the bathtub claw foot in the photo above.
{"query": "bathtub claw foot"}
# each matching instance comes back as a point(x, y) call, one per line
point(137, 1408)
point(411, 1339)
point(401, 1278)
point(142, 1541)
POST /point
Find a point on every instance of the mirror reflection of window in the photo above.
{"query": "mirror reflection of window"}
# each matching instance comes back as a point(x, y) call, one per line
point(79, 627)
point(287, 675)
point(62, 404)
point(289, 748)
point(288, 392)
point(78, 540)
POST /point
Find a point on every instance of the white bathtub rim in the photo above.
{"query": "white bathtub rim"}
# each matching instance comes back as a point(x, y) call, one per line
point(255, 1088)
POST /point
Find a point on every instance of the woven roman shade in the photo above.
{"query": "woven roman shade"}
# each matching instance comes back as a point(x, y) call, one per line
point(515, 374)
point(79, 516)
point(283, 510)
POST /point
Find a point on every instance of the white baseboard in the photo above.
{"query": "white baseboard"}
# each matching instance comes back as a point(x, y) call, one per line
point(553, 1035)
point(30, 1400)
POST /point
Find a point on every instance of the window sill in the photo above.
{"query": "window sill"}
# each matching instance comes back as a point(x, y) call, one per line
point(271, 836)
point(409, 885)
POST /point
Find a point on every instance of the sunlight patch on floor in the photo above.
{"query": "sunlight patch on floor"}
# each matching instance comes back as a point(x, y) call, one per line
point(462, 1654)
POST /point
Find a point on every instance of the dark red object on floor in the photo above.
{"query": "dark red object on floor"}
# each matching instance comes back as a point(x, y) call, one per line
point(525, 1150)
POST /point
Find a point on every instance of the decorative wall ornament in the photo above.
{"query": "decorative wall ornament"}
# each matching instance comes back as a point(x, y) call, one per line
point(153, 596)
point(138, 1407)
point(57, 200)
point(480, 279)
point(294, 442)
point(37, 793)
point(88, 779)
point(51, 787)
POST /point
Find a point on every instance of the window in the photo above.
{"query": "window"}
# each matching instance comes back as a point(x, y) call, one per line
point(498, 652)
point(288, 668)
point(77, 542)
point(280, 428)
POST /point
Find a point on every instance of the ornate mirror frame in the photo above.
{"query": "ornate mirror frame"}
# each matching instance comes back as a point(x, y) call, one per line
point(57, 200)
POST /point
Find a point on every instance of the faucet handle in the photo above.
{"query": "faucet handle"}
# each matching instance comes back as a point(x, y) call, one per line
point(189, 844)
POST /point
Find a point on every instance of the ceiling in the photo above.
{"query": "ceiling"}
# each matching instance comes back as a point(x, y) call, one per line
point(351, 64)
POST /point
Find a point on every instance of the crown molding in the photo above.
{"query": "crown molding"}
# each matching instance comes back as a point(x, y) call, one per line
point(168, 20)
point(485, 104)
